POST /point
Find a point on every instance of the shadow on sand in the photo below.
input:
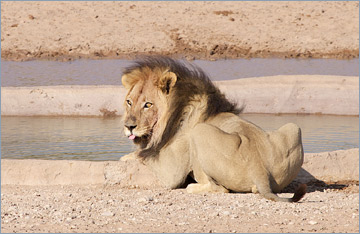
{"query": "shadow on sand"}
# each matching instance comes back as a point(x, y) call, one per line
point(314, 184)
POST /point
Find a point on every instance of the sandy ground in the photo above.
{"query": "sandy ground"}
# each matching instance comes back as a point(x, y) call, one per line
point(74, 196)
point(111, 209)
point(208, 30)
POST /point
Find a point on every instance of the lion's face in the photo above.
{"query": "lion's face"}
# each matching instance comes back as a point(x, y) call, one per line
point(141, 112)
point(145, 106)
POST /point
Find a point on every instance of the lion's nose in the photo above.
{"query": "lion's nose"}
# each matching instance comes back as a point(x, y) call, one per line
point(130, 127)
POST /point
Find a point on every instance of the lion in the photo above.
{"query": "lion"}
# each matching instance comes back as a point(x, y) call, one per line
point(184, 126)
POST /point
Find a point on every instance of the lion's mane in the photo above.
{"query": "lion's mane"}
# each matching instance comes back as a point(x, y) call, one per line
point(191, 82)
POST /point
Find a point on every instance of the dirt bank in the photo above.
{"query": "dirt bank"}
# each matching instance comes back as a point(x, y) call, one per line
point(72, 196)
point(205, 30)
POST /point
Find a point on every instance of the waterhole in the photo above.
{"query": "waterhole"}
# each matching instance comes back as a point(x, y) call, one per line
point(98, 139)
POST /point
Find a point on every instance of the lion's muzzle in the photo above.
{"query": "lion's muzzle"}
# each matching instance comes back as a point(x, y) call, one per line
point(129, 131)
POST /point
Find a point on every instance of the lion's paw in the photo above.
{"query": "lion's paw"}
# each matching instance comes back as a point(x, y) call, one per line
point(205, 188)
point(254, 189)
point(194, 188)
point(128, 157)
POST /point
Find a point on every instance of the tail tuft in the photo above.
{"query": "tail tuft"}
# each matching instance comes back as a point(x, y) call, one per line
point(299, 193)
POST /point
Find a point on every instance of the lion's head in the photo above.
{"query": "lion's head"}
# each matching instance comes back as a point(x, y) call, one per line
point(146, 103)
point(160, 90)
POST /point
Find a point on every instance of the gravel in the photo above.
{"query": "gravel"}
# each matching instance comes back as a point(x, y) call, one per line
point(110, 209)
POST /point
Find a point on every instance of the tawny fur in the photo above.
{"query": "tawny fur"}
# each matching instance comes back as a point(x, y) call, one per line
point(190, 128)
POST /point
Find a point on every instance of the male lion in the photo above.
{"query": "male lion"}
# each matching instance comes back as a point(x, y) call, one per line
point(185, 126)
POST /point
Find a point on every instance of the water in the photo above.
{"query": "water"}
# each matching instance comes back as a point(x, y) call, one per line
point(108, 72)
point(75, 138)
point(98, 139)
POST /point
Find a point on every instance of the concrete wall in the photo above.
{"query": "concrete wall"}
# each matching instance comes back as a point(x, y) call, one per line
point(62, 100)
point(342, 165)
point(337, 95)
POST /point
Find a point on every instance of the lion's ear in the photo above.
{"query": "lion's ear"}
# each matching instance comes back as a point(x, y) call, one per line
point(167, 81)
point(126, 82)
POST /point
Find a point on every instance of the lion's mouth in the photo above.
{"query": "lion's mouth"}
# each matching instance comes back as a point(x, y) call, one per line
point(142, 140)
point(135, 138)
point(132, 137)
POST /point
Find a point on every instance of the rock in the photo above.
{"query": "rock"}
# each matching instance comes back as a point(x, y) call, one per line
point(107, 213)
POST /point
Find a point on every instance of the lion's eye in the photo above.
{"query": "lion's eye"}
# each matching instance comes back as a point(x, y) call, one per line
point(148, 105)
point(128, 102)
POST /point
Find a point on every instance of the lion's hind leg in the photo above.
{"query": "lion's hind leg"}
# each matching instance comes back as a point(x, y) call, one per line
point(211, 151)
point(209, 187)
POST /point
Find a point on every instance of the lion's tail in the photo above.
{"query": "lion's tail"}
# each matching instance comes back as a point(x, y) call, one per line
point(299, 193)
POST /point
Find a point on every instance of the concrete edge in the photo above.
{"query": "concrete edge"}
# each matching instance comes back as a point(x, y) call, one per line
point(342, 165)
point(311, 94)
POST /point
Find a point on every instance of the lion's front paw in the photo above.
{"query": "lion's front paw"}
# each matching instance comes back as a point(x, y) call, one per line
point(131, 156)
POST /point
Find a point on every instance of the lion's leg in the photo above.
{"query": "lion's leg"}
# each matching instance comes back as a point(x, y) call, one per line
point(212, 151)
point(172, 165)
point(205, 184)
point(263, 187)
point(289, 155)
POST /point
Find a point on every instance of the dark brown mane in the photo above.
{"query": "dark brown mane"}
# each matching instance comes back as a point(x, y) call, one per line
point(191, 81)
